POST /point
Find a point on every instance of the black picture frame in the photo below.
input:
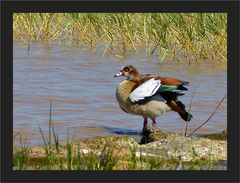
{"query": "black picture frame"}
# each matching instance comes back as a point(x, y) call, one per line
point(10, 7)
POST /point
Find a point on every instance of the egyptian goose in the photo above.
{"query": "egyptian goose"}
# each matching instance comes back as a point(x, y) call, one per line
point(150, 96)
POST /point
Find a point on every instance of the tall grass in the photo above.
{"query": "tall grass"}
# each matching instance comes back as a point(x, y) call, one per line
point(185, 37)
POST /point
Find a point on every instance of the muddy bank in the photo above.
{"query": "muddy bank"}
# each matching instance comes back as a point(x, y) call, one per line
point(154, 143)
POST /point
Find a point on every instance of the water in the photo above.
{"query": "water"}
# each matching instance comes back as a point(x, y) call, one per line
point(81, 86)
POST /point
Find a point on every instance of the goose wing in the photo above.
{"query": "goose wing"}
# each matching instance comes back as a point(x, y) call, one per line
point(145, 90)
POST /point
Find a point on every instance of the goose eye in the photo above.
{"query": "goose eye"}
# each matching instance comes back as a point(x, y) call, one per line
point(126, 69)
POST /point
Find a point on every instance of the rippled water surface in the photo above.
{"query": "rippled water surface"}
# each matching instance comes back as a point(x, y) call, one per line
point(81, 86)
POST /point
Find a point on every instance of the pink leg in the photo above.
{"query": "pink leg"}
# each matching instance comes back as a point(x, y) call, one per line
point(144, 124)
point(154, 122)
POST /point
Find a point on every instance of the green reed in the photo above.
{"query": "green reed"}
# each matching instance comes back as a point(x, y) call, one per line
point(184, 37)
point(21, 154)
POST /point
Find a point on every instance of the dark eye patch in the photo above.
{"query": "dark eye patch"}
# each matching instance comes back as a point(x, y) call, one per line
point(126, 69)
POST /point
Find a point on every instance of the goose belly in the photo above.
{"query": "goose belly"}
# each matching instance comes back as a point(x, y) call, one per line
point(152, 109)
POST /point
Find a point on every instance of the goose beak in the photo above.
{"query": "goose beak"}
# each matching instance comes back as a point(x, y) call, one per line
point(118, 74)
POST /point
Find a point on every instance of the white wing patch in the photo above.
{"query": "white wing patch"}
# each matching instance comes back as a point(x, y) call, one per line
point(147, 89)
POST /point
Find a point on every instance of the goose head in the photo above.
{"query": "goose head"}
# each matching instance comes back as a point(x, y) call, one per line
point(128, 71)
